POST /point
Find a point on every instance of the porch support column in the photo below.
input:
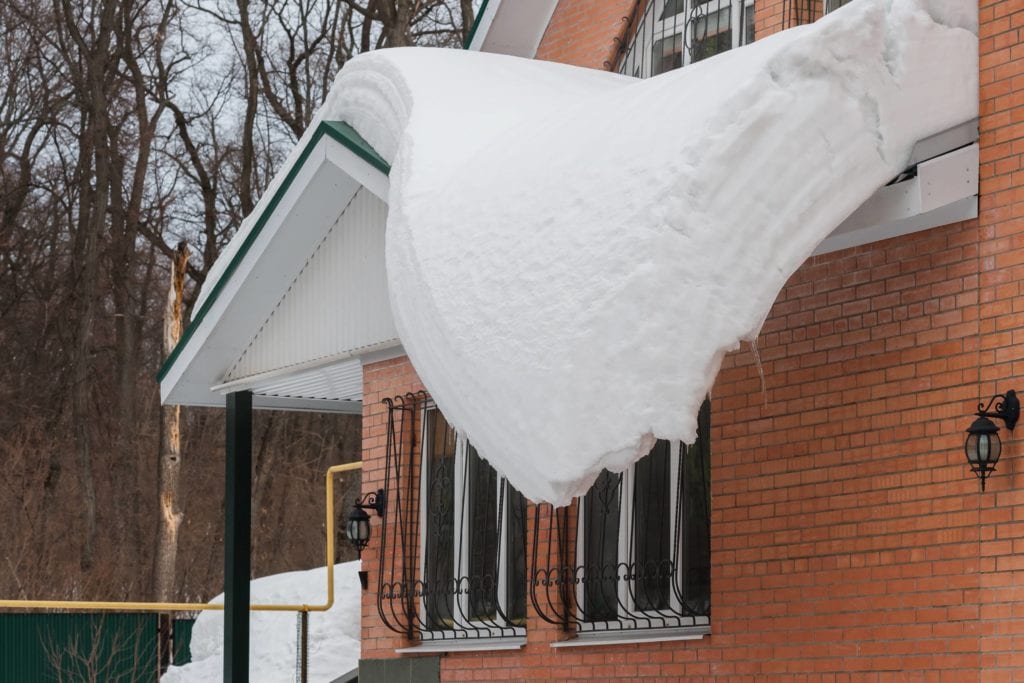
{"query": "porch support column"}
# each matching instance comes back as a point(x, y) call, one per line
point(237, 542)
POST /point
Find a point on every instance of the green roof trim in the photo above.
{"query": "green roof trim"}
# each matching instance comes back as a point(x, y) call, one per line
point(347, 135)
point(336, 130)
point(476, 25)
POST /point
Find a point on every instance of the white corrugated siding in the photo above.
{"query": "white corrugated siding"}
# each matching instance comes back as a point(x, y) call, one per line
point(337, 305)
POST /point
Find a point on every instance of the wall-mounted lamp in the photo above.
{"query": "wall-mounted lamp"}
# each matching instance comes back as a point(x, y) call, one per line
point(983, 446)
point(358, 526)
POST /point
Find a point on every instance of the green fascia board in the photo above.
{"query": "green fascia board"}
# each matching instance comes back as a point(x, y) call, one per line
point(347, 135)
point(336, 130)
point(476, 25)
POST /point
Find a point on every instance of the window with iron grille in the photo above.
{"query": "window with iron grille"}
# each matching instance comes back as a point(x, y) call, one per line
point(473, 539)
point(633, 554)
point(673, 33)
point(453, 546)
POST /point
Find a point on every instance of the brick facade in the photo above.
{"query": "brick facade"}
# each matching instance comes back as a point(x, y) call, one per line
point(585, 32)
point(849, 540)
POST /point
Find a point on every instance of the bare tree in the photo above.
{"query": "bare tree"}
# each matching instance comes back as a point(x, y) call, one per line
point(127, 127)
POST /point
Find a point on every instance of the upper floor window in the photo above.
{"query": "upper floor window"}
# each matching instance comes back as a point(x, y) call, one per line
point(673, 33)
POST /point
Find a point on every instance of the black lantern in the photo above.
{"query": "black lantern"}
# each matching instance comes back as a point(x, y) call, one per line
point(358, 529)
point(358, 526)
point(983, 445)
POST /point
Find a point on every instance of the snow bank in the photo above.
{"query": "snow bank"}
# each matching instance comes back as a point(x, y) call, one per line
point(333, 635)
point(571, 253)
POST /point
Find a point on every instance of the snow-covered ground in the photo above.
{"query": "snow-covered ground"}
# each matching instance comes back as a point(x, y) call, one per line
point(333, 635)
point(570, 253)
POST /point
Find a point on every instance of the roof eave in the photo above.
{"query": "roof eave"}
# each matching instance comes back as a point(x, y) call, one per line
point(511, 28)
point(190, 370)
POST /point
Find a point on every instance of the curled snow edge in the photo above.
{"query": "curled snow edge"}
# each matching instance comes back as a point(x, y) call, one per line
point(571, 253)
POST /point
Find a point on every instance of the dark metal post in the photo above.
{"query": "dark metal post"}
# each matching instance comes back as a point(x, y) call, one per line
point(304, 648)
point(237, 520)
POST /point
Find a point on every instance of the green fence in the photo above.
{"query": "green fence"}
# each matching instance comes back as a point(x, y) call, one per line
point(65, 647)
point(182, 641)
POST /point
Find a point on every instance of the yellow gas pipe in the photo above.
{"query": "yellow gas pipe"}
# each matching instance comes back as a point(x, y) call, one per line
point(197, 607)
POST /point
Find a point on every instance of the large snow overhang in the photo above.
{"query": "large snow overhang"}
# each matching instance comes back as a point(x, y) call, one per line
point(515, 287)
point(511, 27)
point(565, 314)
point(252, 324)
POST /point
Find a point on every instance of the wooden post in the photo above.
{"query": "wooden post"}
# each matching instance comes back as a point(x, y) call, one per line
point(237, 541)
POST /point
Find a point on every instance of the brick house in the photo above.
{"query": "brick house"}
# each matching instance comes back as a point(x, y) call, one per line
point(825, 526)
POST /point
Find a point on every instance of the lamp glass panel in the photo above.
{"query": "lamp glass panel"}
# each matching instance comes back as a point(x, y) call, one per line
point(983, 449)
point(358, 529)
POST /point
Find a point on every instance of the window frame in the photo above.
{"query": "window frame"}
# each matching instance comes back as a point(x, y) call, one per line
point(654, 29)
point(668, 617)
point(461, 547)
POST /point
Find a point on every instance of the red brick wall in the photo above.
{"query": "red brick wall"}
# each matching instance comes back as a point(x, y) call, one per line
point(1001, 550)
point(772, 16)
point(849, 540)
point(385, 379)
point(583, 32)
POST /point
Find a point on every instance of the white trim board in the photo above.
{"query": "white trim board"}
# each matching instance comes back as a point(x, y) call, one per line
point(513, 27)
point(944, 190)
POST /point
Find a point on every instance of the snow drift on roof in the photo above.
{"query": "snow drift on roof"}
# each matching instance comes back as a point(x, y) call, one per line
point(570, 253)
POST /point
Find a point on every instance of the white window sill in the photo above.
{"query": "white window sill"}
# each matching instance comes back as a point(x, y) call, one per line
point(624, 637)
point(465, 645)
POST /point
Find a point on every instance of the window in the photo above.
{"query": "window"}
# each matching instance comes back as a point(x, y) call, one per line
point(711, 34)
point(833, 5)
point(631, 555)
point(473, 540)
point(634, 553)
point(668, 54)
point(673, 33)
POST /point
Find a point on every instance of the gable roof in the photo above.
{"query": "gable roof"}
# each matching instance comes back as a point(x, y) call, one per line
point(332, 166)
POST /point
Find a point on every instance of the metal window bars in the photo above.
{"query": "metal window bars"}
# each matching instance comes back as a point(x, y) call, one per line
point(661, 35)
point(633, 554)
point(453, 546)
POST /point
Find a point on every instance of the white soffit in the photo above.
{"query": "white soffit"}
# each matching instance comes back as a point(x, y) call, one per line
point(512, 27)
point(319, 189)
point(337, 304)
point(943, 189)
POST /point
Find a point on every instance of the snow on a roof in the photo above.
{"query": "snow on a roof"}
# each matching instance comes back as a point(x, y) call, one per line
point(571, 253)
point(333, 635)
point(570, 259)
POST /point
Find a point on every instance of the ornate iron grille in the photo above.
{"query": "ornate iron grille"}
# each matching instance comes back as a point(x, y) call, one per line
point(453, 548)
point(634, 552)
point(662, 35)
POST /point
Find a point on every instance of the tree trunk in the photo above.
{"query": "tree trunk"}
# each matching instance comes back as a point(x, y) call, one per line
point(170, 444)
